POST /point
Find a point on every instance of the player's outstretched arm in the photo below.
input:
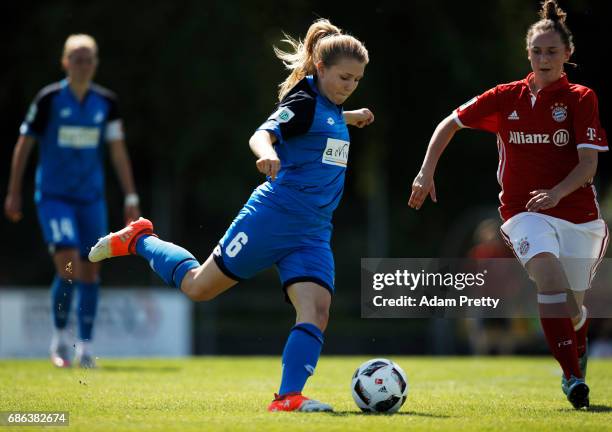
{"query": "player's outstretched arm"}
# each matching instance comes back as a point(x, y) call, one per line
point(583, 173)
point(359, 118)
point(262, 146)
point(21, 154)
point(123, 167)
point(423, 184)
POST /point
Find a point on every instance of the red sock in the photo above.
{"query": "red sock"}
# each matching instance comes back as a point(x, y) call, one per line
point(581, 337)
point(559, 332)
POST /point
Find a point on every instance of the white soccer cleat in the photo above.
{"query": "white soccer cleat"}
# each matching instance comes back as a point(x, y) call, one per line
point(297, 402)
point(311, 405)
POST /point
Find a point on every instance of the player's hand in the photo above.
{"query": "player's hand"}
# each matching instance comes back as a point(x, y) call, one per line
point(269, 165)
point(362, 117)
point(12, 207)
point(542, 199)
point(131, 213)
point(422, 186)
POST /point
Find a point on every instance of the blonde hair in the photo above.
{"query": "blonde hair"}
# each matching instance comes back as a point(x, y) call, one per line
point(324, 43)
point(76, 41)
point(552, 18)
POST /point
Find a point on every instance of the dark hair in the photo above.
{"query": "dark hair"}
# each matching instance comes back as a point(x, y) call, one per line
point(552, 18)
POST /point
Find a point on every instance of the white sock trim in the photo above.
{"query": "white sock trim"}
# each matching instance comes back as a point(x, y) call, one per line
point(552, 298)
point(83, 347)
point(582, 319)
point(59, 336)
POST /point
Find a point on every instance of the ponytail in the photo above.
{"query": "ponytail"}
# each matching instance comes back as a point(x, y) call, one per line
point(324, 42)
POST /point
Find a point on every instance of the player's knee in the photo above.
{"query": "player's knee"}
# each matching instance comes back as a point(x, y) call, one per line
point(89, 273)
point(547, 273)
point(198, 291)
point(550, 280)
point(65, 275)
point(323, 319)
point(321, 316)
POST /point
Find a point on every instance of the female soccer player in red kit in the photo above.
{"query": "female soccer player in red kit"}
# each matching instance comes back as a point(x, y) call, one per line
point(548, 137)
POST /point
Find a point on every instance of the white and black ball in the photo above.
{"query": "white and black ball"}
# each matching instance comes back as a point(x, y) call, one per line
point(379, 385)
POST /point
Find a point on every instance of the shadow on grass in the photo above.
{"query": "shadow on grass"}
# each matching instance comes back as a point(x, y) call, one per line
point(403, 413)
point(600, 409)
point(592, 409)
point(166, 369)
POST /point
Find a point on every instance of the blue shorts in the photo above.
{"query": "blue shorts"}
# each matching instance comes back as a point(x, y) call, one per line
point(68, 224)
point(266, 235)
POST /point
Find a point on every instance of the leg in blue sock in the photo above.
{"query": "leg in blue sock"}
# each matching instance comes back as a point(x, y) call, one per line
point(87, 306)
point(300, 357)
point(169, 261)
point(61, 300)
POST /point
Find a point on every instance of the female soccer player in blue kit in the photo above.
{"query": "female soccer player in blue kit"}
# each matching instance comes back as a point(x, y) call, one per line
point(72, 120)
point(303, 150)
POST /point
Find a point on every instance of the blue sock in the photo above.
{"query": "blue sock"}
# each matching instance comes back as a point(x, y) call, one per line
point(169, 261)
point(61, 299)
point(300, 356)
point(86, 311)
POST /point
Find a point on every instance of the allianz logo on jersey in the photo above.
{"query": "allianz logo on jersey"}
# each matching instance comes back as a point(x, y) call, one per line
point(560, 138)
point(336, 152)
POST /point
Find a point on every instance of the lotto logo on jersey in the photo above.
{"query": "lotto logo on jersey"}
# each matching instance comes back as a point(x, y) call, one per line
point(336, 152)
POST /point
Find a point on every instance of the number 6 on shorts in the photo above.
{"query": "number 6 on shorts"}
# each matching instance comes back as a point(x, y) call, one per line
point(236, 244)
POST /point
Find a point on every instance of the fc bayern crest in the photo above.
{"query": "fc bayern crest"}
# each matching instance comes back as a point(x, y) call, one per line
point(523, 246)
point(559, 112)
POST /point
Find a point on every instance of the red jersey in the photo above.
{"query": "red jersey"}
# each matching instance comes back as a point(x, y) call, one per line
point(538, 137)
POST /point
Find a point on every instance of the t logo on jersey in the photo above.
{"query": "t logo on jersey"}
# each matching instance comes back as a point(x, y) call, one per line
point(591, 133)
point(336, 152)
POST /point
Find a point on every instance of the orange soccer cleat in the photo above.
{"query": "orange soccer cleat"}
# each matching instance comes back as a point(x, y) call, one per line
point(122, 242)
point(297, 402)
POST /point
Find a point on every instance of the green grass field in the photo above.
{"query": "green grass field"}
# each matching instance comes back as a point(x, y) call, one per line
point(231, 393)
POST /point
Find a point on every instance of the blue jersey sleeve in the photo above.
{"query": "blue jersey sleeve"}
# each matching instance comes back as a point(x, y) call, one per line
point(113, 111)
point(39, 113)
point(113, 102)
point(294, 116)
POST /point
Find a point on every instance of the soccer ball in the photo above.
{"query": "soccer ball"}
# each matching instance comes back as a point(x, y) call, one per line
point(379, 385)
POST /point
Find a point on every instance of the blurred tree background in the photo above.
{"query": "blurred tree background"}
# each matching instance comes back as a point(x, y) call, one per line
point(195, 78)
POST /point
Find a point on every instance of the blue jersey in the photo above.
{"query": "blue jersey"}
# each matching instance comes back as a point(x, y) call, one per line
point(71, 134)
point(312, 145)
